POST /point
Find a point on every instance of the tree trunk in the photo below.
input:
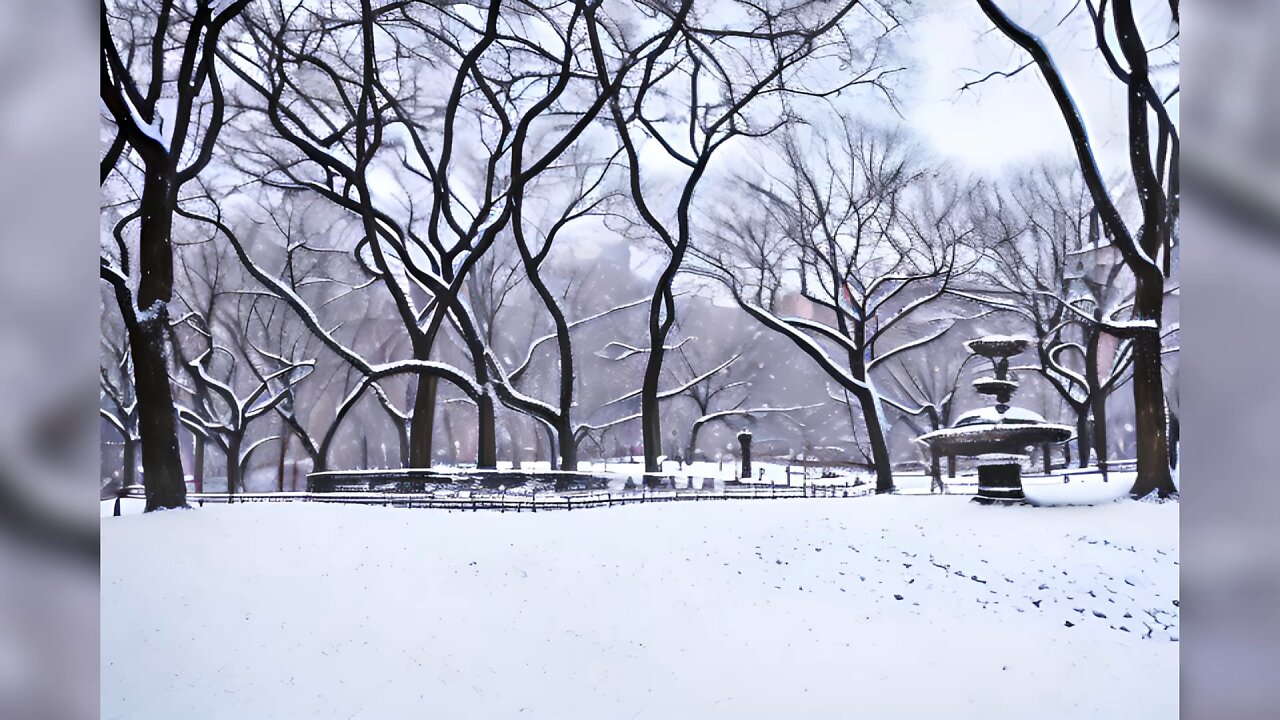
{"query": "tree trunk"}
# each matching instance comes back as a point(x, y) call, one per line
point(659, 328)
point(162, 474)
point(568, 446)
point(692, 447)
point(402, 438)
point(1175, 433)
point(198, 460)
point(284, 454)
point(1082, 436)
point(422, 424)
point(1148, 392)
point(157, 415)
point(451, 443)
point(871, 415)
point(537, 445)
point(233, 468)
point(129, 471)
point(1097, 401)
point(517, 442)
point(1100, 444)
point(552, 455)
point(487, 433)
point(650, 408)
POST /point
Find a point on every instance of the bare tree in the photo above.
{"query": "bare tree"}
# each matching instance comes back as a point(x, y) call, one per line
point(1039, 238)
point(872, 246)
point(535, 241)
point(494, 113)
point(721, 397)
point(118, 405)
point(1155, 178)
point(215, 352)
point(174, 141)
point(927, 383)
point(225, 414)
point(1049, 264)
point(693, 99)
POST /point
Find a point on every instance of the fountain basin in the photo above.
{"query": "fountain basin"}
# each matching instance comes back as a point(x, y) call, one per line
point(983, 438)
point(998, 346)
point(995, 435)
point(1002, 389)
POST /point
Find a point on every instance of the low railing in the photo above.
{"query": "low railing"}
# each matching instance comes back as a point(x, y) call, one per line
point(536, 501)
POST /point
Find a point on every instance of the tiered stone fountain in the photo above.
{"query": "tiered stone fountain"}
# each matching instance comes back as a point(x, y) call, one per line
point(1000, 436)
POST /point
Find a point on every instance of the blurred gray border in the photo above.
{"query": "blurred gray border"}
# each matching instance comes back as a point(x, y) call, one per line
point(48, 360)
point(1231, 349)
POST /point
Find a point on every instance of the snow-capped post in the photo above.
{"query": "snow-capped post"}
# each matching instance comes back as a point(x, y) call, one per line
point(744, 446)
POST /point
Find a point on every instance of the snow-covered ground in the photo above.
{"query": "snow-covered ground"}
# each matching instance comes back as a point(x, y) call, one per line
point(890, 606)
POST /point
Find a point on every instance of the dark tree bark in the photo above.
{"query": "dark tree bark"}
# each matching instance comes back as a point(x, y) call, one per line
point(552, 455)
point(708, 128)
point(1148, 394)
point(280, 459)
point(487, 435)
point(157, 416)
point(234, 479)
point(197, 472)
point(129, 471)
point(871, 417)
point(1082, 439)
point(422, 426)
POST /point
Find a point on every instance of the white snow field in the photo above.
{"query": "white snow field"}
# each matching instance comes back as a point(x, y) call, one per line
point(878, 607)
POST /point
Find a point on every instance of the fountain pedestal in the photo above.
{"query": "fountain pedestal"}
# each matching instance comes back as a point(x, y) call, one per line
point(1000, 479)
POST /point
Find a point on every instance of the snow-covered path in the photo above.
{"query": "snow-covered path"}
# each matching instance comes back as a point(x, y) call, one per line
point(902, 607)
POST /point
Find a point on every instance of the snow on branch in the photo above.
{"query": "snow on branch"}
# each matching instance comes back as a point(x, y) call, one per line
point(805, 343)
point(627, 351)
point(308, 317)
point(519, 370)
point(750, 412)
point(680, 389)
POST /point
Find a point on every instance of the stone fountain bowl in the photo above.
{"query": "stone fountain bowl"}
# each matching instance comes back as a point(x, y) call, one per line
point(997, 346)
point(993, 386)
point(980, 438)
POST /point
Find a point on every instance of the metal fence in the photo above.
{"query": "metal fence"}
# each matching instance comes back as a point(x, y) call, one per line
point(535, 502)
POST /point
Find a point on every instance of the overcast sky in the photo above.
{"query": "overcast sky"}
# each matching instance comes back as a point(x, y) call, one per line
point(1007, 121)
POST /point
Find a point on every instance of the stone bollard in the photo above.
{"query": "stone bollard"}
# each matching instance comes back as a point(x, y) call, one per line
point(744, 443)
